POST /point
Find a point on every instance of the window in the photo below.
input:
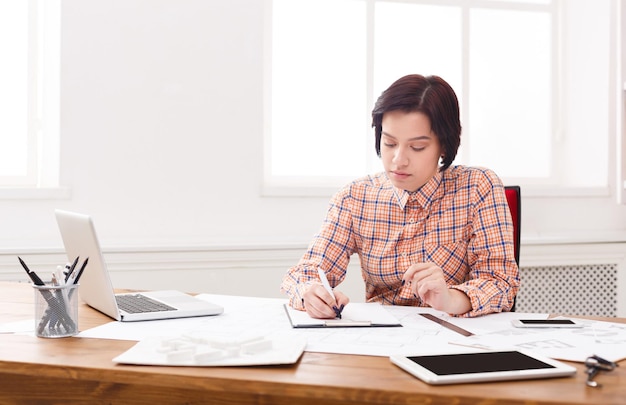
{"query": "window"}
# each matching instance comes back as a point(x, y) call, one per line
point(29, 101)
point(319, 92)
point(515, 66)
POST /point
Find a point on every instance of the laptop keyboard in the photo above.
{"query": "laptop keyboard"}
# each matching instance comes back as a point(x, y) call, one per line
point(137, 303)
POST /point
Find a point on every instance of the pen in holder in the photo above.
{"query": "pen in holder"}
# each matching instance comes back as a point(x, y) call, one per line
point(56, 310)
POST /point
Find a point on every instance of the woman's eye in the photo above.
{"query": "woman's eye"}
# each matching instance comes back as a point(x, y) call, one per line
point(416, 149)
point(389, 145)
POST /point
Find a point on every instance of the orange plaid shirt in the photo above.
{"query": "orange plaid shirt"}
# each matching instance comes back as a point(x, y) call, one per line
point(459, 220)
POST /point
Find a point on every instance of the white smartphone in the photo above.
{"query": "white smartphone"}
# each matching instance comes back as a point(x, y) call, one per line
point(546, 323)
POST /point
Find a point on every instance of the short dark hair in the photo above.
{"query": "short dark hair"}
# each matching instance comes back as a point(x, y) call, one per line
point(430, 95)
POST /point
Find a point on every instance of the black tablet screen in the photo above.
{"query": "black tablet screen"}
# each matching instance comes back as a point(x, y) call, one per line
point(468, 363)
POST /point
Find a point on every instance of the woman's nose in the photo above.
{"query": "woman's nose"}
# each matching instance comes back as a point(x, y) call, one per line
point(400, 157)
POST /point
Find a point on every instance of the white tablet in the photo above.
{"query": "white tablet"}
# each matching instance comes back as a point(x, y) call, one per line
point(501, 365)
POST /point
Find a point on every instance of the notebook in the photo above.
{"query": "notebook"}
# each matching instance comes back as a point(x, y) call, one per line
point(357, 314)
point(80, 240)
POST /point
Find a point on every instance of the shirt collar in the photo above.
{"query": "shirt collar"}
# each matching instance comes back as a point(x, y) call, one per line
point(424, 196)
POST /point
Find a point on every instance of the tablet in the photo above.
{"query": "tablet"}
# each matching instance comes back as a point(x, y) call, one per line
point(457, 368)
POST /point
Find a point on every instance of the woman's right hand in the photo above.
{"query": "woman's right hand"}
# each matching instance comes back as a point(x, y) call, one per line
point(320, 304)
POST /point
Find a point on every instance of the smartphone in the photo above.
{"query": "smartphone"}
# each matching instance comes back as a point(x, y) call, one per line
point(546, 323)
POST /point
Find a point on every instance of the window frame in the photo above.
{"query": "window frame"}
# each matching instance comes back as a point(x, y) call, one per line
point(311, 186)
point(41, 180)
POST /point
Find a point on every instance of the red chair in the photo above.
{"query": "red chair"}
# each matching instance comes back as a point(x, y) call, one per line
point(514, 199)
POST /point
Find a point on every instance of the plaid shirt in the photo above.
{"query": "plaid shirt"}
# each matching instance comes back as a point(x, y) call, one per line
point(459, 220)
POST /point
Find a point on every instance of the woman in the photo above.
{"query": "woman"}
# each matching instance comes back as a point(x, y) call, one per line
point(427, 233)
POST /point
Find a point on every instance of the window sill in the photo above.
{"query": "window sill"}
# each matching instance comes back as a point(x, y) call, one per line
point(35, 193)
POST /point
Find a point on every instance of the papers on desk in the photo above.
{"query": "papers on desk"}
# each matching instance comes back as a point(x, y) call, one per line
point(201, 350)
point(605, 339)
point(266, 317)
point(353, 315)
point(24, 326)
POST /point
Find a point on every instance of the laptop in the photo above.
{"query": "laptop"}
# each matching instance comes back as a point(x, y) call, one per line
point(80, 240)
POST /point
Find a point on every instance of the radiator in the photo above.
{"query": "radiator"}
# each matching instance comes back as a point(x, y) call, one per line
point(574, 290)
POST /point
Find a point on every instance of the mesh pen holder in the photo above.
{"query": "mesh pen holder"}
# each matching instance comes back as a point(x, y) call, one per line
point(56, 310)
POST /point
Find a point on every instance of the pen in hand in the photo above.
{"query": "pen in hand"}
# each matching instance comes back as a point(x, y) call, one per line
point(330, 290)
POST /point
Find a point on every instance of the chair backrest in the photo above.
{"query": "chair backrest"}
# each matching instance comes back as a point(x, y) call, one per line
point(513, 197)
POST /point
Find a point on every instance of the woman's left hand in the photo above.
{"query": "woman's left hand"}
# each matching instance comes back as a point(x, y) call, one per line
point(428, 282)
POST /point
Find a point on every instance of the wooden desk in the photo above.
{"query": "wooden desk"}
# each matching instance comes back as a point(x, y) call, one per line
point(79, 370)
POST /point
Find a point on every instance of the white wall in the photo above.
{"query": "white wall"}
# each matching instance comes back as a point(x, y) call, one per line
point(161, 127)
point(161, 137)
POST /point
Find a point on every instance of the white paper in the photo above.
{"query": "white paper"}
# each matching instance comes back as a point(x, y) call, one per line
point(183, 351)
point(18, 327)
point(605, 339)
point(267, 317)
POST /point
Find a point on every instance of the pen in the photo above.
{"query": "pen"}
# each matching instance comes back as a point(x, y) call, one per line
point(54, 320)
point(33, 276)
point(76, 278)
point(71, 269)
point(80, 272)
point(37, 281)
point(58, 278)
point(329, 289)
